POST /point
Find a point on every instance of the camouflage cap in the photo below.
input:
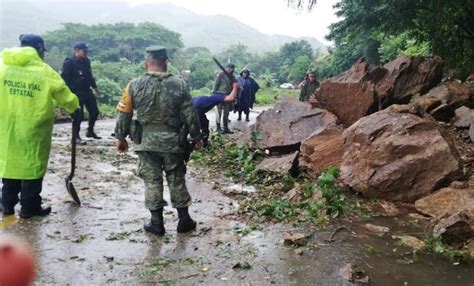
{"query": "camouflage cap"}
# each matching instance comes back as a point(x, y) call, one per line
point(156, 52)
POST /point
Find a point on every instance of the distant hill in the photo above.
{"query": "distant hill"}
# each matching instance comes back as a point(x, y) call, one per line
point(214, 32)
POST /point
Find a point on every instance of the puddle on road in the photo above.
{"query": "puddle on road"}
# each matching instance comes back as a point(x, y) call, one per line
point(8, 221)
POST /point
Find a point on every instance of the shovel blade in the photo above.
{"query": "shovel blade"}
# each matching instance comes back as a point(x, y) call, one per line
point(72, 191)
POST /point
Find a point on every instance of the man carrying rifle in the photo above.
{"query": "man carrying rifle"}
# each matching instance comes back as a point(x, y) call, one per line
point(223, 85)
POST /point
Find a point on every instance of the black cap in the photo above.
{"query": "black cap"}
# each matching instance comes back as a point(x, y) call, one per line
point(229, 65)
point(157, 52)
point(80, 46)
point(32, 40)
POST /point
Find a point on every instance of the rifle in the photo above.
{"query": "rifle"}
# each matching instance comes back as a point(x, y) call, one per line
point(230, 76)
point(232, 80)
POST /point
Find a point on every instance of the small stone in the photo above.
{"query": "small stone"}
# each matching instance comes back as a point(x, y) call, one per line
point(389, 208)
point(295, 238)
point(293, 195)
point(353, 273)
point(410, 241)
point(298, 251)
point(317, 195)
point(376, 228)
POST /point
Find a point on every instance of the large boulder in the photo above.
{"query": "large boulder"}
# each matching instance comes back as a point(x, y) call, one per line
point(361, 71)
point(442, 101)
point(351, 95)
point(288, 123)
point(464, 117)
point(407, 76)
point(447, 202)
point(348, 101)
point(395, 154)
point(280, 164)
point(321, 149)
point(454, 230)
point(365, 88)
point(452, 210)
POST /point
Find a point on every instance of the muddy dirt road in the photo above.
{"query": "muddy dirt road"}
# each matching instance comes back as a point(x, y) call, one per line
point(102, 242)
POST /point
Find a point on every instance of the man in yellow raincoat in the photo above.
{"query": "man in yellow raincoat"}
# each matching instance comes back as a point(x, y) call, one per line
point(29, 90)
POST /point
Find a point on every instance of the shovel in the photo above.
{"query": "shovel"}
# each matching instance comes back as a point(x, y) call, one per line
point(69, 186)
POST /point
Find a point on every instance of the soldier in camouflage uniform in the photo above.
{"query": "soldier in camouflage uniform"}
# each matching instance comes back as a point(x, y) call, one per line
point(309, 86)
point(165, 116)
point(223, 86)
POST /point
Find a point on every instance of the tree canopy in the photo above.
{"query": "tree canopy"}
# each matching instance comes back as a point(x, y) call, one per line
point(381, 30)
point(111, 42)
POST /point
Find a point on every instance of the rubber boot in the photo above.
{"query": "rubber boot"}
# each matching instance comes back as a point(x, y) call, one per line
point(91, 134)
point(240, 116)
point(29, 213)
point(185, 223)
point(247, 117)
point(156, 225)
point(8, 207)
point(79, 141)
point(7, 211)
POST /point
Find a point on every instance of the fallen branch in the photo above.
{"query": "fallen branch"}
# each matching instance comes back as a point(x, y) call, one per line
point(189, 276)
point(331, 238)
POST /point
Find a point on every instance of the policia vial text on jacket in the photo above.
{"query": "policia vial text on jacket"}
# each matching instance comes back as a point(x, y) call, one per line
point(29, 90)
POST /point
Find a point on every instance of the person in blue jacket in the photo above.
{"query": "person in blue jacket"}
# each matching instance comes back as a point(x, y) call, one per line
point(246, 97)
point(205, 103)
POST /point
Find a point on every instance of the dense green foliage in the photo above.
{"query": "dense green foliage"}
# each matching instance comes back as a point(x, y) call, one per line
point(289, 64)
point(112, 42)
point(117, 53)
point(381, 30)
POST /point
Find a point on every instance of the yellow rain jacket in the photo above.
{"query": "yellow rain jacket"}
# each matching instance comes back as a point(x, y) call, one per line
point(29, 90)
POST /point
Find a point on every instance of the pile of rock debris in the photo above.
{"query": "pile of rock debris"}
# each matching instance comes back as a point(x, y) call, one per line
point(398, 132)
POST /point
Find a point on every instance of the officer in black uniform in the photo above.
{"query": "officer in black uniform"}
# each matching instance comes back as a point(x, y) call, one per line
point(77, 74)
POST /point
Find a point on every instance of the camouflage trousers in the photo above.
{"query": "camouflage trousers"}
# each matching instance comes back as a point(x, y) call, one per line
point(150, 169)
point(223, 108)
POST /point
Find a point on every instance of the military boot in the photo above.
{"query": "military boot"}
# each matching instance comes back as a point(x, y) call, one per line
point(219, 129)
point(227, 130)
point(185, 223)
point(156, 225)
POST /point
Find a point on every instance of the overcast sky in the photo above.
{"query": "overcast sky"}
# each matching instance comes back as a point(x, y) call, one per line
point(267, 16)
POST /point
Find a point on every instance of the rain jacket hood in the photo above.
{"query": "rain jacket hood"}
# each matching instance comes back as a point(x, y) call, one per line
point(20, 56)
point(29, 90)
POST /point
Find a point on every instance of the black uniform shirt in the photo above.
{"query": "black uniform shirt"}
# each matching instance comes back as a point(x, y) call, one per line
point(77, 74)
